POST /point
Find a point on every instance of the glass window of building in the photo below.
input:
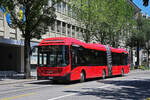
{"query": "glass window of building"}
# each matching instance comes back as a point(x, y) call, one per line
point(69, 12)
point(50, 2)
point(53, 27)
point(58, 8)
point(81, 33)
point(74, 12)
point(77, 31)
point(64, 28)
point(73, 31)
point(63, 7)
point(69, 30)
point(58, 26)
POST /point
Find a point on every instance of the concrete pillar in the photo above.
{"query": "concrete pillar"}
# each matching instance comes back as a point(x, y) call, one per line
point(22, 58)
point(75, 31)
point(55, 28)
point(18, 34)
point(66, 30)
point(6, 29)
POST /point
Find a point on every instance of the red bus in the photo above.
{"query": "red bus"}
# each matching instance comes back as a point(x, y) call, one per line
point(68, 59)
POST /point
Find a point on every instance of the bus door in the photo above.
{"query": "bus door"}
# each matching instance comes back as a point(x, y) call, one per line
point(75, 67)
point(109, 61)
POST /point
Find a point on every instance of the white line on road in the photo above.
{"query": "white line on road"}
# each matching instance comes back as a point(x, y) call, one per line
point(104, 86)
point(74, 93)
point(23, 89)
point(63, 96)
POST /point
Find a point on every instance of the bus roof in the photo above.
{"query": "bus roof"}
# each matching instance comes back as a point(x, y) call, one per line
point(70, 41)
point(60, 40)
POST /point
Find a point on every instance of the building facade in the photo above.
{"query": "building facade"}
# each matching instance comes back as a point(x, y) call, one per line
point(12, 43)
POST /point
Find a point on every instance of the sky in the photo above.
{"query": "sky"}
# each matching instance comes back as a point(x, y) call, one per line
point(144, 9)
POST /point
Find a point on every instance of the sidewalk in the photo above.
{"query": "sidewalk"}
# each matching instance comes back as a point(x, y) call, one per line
point(4, 81)
point(14, 81)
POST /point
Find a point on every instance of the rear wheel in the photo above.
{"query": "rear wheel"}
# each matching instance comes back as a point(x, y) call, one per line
point(82, 77)
point(39, 77)
point(103, 74)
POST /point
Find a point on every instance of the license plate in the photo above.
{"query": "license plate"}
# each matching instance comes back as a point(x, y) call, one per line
point(50, 78)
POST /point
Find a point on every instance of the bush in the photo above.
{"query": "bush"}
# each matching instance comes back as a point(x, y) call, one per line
point(143, 67)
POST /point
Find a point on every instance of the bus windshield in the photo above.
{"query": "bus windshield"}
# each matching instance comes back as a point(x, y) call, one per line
point(53, 56)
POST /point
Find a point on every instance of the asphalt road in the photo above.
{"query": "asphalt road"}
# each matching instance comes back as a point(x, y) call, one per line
point(134, 86)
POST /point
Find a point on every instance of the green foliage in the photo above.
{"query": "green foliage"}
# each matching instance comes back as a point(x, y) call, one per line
point(107, 20)
point(39, 16)
point(142, 67)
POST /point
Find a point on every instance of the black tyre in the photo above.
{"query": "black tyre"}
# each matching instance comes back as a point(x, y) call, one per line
point(104, 74)
point(39, 77)
point(82, 77)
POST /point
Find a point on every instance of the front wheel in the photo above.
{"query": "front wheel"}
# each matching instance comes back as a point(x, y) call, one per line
point(82, 77)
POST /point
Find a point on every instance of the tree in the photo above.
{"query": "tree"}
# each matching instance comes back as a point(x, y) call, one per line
point(140, 39)
point(105, 20)
point(87, 13)
point(39, 15)
point(145, 2)
point(146, 37)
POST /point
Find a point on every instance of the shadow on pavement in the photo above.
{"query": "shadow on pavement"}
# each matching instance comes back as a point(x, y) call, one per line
point(121, 90)
point(50, 82)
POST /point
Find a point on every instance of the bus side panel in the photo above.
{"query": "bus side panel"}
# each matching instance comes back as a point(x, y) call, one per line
point(115, 70)
point(120, 69)
point(90, 71)
point(75, 73)
point(126, 69)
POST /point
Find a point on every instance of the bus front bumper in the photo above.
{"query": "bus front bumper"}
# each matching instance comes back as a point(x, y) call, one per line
point(63, 78)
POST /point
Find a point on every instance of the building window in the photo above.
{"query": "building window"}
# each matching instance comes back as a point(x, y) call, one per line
point(69, 30)
point(63, 7)
point(69, 11)
point(73, 31)
point(63, 28)
point(58, 8)
point(81, 33)
point(53, 27)
point(58, 26)
point(77, 31)
point(50, 2)
point(74, 13)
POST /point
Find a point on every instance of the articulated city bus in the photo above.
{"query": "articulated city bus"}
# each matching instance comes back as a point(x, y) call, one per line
point(68, 59)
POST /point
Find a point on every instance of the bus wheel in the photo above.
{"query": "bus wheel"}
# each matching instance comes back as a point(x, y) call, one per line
point(103, 74)
point(122, 72)
point(82, 77)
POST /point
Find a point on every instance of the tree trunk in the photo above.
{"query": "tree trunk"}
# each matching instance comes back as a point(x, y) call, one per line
point(148, 58)
point(131, 58)
point(137, 62)
point(27, 67)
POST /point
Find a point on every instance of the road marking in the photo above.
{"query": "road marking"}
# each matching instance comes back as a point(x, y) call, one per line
point(104, 86)
point(74, 93)
point(18, 90)
point(63, 96)
point(18, 96)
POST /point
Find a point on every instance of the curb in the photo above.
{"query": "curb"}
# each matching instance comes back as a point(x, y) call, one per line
point(14, 81)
